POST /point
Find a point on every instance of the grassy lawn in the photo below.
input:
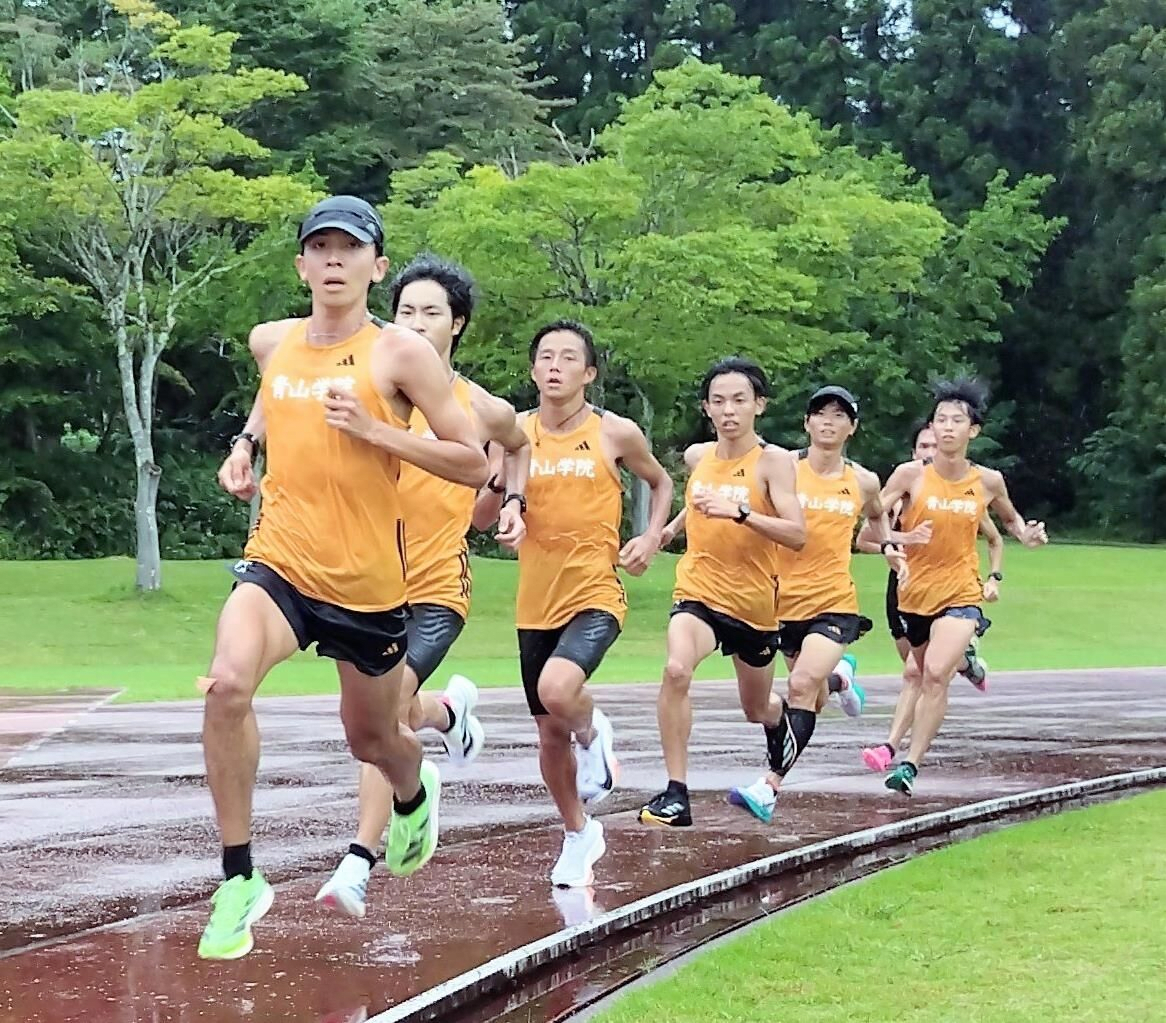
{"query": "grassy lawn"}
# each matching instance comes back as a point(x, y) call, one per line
point(80, 623)
point(1049, 920)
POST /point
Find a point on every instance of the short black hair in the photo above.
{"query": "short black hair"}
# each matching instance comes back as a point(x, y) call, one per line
point(573, 327)
point(455, 280)
point(966, 391)
point(919, 426)
point(736, 364)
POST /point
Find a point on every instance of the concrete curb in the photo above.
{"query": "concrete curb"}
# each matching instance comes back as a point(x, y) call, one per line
point(506, 969)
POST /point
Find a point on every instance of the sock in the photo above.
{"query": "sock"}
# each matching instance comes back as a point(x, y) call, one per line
point(911, 767)
point(414, 804)
point(834, 683)
point(677, 788)
point(788, 738)
point(891, 749)
point(359, 850)
point(449, 715)
point(237, 861)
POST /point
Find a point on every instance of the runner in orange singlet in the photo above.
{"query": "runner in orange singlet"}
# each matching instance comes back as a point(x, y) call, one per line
point(939, 602)
point(817, 600)
point(881, 756)
point(740, 508)
point(571, 603)
point(436, 299)
point(326, 561)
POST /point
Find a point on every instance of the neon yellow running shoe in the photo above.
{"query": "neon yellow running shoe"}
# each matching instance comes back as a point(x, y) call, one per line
point(235, 906)
point(413, 838)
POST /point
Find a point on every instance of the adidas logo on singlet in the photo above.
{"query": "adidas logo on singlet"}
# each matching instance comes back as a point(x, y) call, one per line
point(969, 492)
point(583, 447)
point(348, 360)
point(845, 490)
point(739, 472)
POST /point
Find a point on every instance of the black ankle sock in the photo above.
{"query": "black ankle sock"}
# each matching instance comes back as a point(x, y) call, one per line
point(449, 719)
point(237, 861)
point(677, 788)
point(888, 746)
point(834, 682)
point(356, 849)
point(914, 769)
point(410, 807)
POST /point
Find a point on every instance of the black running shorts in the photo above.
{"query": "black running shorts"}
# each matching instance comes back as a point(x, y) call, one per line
point(894, 619)
point(432, 630)
point(755, 647)
point(917, 628)
point(582, 641)
point(373, 641)
point(838, 628)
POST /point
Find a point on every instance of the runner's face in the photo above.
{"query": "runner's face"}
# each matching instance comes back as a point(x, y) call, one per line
point(925, 444)
point(560, 369)
point(732, 406)
point(953, 427)
point(424, 307)
point(338, 268)
point(830, 427)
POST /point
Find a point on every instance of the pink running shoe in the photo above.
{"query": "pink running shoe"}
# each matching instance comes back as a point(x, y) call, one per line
point(878, 758)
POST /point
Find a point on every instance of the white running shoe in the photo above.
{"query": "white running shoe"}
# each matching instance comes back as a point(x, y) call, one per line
point(464, 741)
point(851, 697)
point(344, 890)
point(759, 799)
point(596, 768)
point(581, 851)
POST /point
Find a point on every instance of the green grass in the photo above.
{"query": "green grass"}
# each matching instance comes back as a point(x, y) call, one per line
point(80, 623)
point(1050, 920)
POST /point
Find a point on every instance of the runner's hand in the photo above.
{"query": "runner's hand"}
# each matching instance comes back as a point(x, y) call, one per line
point(991, 590)
point(511, 526)
point(920, 535)
point(344, 411)
point(898, 562)
point(1033, 534)
point(667, 535)
point(716, 507)
point(637, 554)
point(236, 475)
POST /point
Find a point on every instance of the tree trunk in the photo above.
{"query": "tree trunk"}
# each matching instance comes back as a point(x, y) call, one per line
point(641, 492)
point(149, 575)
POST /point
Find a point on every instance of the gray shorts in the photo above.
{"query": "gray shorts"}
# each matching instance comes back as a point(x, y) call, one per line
point(432, 630)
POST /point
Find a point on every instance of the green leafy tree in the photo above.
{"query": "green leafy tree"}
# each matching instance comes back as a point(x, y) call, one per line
point(126, 187)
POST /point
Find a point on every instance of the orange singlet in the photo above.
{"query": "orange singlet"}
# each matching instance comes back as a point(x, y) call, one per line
point(437, 518)
point(946, 571)
point(568, 561)
point(727, 566)
point(816, 580)
point(331, 521)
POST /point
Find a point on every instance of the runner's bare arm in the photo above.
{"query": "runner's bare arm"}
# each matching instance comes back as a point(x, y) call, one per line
point(405, 364)
point(1030, 533)
point(692, 455)
point(629, 447)
point(995, 555)
point(502, 430)
point(236, 475)
point(876, 521)
point(489, 502)
point(778, 478)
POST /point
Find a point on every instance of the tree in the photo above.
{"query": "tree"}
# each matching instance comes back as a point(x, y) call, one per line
point(125, 186)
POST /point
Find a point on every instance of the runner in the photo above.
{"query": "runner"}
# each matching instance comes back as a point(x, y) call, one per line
point(817, 599)
point(939, 603)
point(739, 506)
point(974, 669)
point(571, 604)
point(435, 298)
point(326, 561)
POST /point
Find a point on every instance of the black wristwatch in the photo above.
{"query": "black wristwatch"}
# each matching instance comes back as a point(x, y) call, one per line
point(515, 497)
point(998, 576)
point(250, 438)
point(492, 487)
point(888, 543)
point(743, 512)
